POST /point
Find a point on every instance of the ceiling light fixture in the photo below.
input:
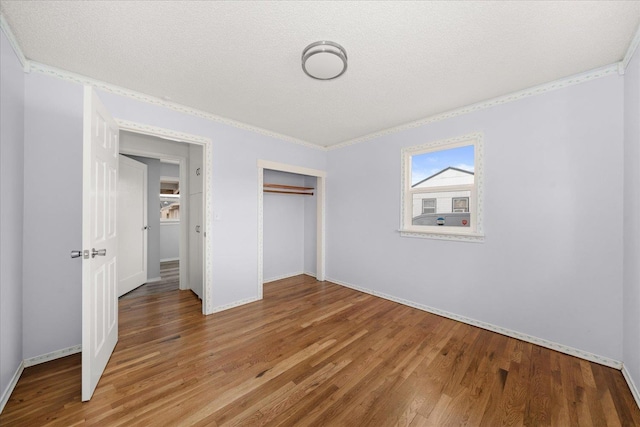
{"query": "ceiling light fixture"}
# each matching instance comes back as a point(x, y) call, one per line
point(324, 60)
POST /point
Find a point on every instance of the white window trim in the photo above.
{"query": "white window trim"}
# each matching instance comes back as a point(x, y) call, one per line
point(475, 233)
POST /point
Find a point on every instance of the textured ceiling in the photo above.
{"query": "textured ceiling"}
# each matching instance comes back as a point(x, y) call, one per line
point(241, 60)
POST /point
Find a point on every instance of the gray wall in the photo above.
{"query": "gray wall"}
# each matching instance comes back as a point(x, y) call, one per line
point(551, 265)
point(11, 212)
point(52, 178)
point(169, 169)
point(631, 225)
point(169, 240)
point(289, 228)
point(283, 228)
point(153, 209)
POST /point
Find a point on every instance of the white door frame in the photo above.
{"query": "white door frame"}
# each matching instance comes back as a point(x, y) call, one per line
point(320, 215)
point(207, 288)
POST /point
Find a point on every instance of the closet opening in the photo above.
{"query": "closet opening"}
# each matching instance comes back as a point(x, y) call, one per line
point(291, 222)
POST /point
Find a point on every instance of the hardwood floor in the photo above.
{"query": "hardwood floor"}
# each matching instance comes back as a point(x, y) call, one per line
point(169, 281)
point(318, 354)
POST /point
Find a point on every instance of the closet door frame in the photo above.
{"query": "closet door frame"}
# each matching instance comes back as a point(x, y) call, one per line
point(320, 214)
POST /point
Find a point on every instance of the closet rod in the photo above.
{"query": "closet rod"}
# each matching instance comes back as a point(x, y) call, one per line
point(288, 192)
point(290, 187)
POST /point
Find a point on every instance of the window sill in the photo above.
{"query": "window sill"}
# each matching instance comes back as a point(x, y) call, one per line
point(458, 237)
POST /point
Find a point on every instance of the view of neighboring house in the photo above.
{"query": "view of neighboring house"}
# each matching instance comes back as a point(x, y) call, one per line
point(449, 208)
point(169, 199)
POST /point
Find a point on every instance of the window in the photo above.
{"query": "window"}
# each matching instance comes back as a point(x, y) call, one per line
point(169, 199)
point(428, 206)
point(442, 189)
point(460, 204)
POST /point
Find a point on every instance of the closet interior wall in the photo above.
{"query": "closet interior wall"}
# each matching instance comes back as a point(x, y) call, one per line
point(289, 228)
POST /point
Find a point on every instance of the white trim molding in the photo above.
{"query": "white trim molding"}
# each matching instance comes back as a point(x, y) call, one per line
point(469, 237)
point(6, 394)
point(283, 276)
point(234, 304)
point(488, 326)
point(161, 133)
point(633, 47)
point(632, 385)
point(515, 96)
point(170, 259)
point(6, 29)
point(32, 361)
point(283, 167)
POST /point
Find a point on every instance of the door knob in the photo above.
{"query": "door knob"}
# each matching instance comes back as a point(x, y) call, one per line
point(76, 254)
point(99, 252)
point(146, 227)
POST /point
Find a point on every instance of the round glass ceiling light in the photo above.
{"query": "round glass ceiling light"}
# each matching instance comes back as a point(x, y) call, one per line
point(324, 60)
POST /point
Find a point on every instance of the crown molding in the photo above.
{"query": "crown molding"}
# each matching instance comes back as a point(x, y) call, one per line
point(515, 96)
point(138, 96)
point(161, 132)
point(633, 46)
point(6, 29)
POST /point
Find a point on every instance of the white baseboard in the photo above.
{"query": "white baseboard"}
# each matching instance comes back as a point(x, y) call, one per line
point(488, 326)
point(632, 386)
point(308, 273)
point(155, 279)
point(170, 259)
point(12, 384)
point(35, 361)
point(284, 276)
point(234, 304)
point(254, 299)
point(52, 356)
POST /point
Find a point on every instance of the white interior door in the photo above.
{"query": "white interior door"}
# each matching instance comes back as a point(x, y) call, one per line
point(132, 224)
point(99, 241)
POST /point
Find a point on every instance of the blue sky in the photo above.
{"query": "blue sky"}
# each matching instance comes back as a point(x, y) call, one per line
point(425, 165)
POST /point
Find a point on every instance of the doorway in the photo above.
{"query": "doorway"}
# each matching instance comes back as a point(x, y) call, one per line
point(190, 155)
point(158, 229)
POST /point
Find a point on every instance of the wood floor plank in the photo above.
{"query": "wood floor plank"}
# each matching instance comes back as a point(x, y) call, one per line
point(317, 354)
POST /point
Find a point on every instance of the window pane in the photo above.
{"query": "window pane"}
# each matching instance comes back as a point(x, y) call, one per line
point(428, 205)
point(441, 209)
point(460, 204)
point(454, 166)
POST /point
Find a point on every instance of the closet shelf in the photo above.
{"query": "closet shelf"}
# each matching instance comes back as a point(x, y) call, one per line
point(287, 189)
